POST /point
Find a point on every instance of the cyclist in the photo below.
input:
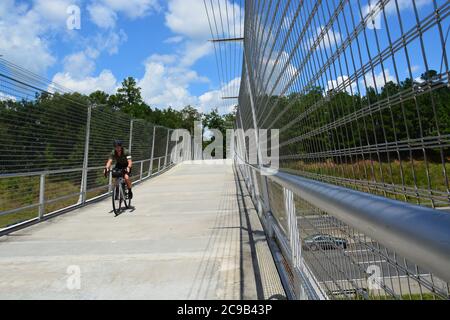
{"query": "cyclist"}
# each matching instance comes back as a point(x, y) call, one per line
point(122, 157)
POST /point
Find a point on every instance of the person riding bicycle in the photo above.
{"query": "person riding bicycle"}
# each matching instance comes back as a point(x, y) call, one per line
point(122, 158)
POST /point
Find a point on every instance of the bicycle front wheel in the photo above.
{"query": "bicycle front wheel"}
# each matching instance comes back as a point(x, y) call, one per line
point(116, 200)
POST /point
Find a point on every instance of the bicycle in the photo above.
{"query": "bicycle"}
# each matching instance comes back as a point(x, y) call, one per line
point(120, 192)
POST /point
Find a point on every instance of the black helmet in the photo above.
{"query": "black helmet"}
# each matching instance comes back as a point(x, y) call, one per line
point(118, 143)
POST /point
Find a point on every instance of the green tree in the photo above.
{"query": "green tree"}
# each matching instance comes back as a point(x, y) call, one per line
point(214, 120)
point(99, 97)
point(128, 97)
point(189, 115)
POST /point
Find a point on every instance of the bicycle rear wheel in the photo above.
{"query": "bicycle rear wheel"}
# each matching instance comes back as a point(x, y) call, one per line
point(116, 200)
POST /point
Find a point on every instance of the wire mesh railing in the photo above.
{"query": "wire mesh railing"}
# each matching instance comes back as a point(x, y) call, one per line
point(359, 90)
point(54, 145)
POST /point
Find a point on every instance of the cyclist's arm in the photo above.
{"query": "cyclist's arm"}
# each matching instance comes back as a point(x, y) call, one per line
point(129, 161)
point(110, 161)
point(109, 164)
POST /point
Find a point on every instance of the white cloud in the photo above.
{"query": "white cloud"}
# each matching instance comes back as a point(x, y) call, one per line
point(189, 22)
point(343, 83)
point(110, 41)
point(167, 78)
point(405, 4)
point(53, 13)
point(189, 18)
point(175, 39)
point(415, 68)
point(183, 18)
point(163, 58)
point(287, 21)
point(193, 51)
point(213, 99)
point(131, 8)
point(390, 9)
point(165, 84)
point(105, 81)
point(379, 79)
point(6, 97)
point(79, 65)
point(21, 30)
point(102, 16)
point(329, 39)
point(275, 70)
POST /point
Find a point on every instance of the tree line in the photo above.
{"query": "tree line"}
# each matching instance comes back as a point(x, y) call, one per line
point(48, 131)
point(398, 119)
point(128, 100)
point(409, 112)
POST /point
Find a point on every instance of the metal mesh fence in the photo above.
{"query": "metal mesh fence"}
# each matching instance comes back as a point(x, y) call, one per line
point(54, 144)
point(350, 265)
point(359, 90)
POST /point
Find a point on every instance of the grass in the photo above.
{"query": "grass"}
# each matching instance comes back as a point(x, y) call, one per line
point(396, 175)
point(24, 191)
point(415, 296)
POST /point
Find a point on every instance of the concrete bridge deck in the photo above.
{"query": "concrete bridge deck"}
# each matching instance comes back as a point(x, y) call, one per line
point(191, 235)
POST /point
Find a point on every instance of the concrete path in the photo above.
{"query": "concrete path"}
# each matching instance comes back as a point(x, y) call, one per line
point(182, 241)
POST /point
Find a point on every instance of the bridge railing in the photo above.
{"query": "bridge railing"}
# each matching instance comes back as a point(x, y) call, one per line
point(360, 207)
point(54, 145)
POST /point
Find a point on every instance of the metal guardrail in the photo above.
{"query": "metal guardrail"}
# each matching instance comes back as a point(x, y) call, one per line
point(417, 234)
point(163, 164)
point(44, 127)
point(361, 106)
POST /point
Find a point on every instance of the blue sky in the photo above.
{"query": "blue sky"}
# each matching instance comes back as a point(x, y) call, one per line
point(163, 44)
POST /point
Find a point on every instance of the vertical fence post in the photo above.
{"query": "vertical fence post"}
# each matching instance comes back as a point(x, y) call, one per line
point(131, 135)
point(249, 173)
point(41, 196)
point(142, 170)
point(192, 155)
point(150, 170)
point(294, 242)
point(265, 194)
point(167, 148)
point(176, 151)
point(84, 174)
point(159, 164)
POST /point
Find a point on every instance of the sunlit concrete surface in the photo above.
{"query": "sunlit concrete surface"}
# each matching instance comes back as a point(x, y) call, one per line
point(183, 240)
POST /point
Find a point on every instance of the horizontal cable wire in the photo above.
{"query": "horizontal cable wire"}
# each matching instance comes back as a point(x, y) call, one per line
point(361, 101)
point(43, 129)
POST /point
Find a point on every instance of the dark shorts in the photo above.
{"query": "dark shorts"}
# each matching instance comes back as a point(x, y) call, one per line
point(123, 169)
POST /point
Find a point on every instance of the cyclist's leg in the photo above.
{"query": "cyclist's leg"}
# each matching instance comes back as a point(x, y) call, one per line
point(129, 184)
point(128, 181)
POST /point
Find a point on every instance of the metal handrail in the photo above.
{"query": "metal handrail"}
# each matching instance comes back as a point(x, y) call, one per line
point(42, 201)
point(418, 233)
point(51, 172)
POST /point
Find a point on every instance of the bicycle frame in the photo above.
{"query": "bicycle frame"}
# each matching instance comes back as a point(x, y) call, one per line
point(119, 183)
